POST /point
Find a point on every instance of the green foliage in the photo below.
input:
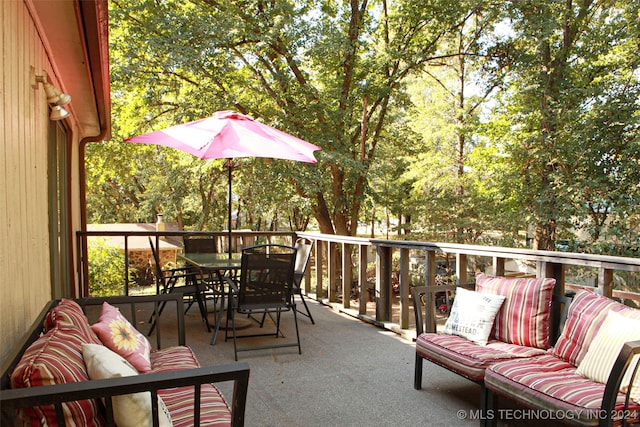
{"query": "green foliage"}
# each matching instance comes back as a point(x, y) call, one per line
point(304, 67)
point(471, 121)
point(106, 268)
point(456, 173)
point(572, 111)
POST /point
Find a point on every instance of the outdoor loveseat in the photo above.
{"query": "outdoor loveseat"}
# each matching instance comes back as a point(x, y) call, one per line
point(518, 356)
point(49, 378)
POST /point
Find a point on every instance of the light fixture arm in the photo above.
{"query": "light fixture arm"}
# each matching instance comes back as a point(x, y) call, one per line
point(55, 97)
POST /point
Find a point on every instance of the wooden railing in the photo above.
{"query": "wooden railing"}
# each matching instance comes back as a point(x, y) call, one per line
point(347, 260)
point(376, 275)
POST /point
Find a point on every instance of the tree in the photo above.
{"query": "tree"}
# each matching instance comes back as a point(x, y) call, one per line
point(573, 112)
point(456, 173)
point(106, 269)
point(305, 67)
point(490, 115)
point(134, 183)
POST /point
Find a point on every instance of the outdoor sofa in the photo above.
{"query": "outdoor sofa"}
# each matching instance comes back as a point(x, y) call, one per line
point(48, 380)
point(518, 356)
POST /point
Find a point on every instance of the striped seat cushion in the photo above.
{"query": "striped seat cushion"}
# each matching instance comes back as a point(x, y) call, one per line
point(523, 318)
point(552, 384)
point(56, 358)
point(586, 314)
point(214, 408)
point(467, 358)
point(173, 359)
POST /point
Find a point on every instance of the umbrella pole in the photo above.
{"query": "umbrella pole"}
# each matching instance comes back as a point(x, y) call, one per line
point(229, 205)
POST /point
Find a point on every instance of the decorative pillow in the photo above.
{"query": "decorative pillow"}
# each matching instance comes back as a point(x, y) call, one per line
point(603, 351)
point(56, 358)
point(134, 409)
point(523, 319)
point(586, 313)
point(68, 313)
point(472, 315)
point(115, 331)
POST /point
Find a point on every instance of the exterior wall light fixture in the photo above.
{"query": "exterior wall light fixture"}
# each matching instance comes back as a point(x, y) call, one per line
point(55, 97)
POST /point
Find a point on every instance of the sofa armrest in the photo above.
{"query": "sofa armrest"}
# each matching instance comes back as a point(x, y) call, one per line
point(424, 297)
point(559, 312)
point(608, 409)
point(13, 399)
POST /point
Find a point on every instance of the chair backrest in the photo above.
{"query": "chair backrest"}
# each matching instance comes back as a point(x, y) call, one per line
point(199, 244)
point(303, 253)
point(266, 277)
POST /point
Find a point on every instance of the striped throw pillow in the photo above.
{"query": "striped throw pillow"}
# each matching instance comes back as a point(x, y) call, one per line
point(129, 410)
point(56, 358)
point(524, 316)
point(586, 313)
point(603, 351)
point(69, 313)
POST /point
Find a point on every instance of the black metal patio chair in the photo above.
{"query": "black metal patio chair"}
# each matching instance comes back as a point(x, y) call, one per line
point(265, 286)
point(181, 280)
point(210, 280)
point(198, 243)
point(303, 253)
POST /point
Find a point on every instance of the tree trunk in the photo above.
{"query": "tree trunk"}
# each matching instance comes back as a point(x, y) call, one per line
point(545, 237)
point(321, 213)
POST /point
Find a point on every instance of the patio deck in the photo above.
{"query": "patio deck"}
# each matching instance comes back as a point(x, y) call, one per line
point(350, 373)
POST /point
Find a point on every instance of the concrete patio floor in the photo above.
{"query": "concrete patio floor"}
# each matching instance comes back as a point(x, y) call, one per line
point(350, 373)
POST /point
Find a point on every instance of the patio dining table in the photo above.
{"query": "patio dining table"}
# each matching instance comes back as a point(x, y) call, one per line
point(211, 262)
point(216, 266)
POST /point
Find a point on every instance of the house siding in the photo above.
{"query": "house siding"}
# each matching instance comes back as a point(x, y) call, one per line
point(68, 41)
point(24, 211)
